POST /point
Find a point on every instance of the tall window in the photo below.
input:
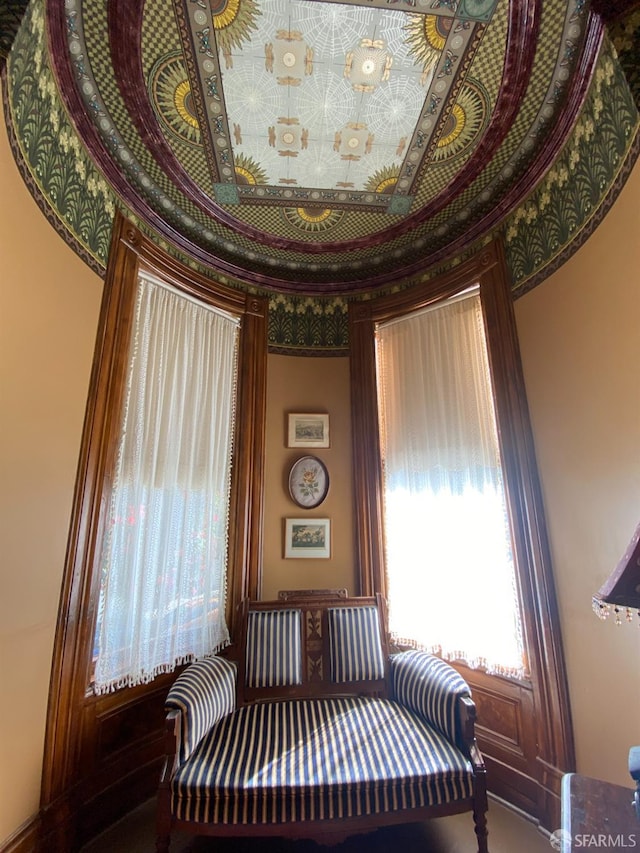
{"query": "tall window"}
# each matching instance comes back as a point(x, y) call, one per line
point(162, 529)
point(164, 553)
point(449, 512)
point(450, 571)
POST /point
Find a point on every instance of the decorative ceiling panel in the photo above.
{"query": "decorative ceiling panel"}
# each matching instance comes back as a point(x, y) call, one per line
point(327, 103)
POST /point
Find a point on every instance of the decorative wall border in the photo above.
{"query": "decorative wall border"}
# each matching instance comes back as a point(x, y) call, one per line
point(571, 200)
point(11, 13)
point(38, 193)
point(586, 232)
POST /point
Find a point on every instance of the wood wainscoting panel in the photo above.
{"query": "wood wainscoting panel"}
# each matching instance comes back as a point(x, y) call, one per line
point(505, 736)
point(122, 749)
point(119, 728)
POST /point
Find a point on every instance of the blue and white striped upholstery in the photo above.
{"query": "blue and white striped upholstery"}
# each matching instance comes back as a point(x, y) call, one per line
point(430, 687)
point(274, 652)
point(204, 693)
point(354, 644)
point(315, 759)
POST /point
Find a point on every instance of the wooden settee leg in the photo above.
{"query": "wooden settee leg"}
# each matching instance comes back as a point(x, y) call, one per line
point(480, 801)
point(162, 844)
point(163, 821)
point(163, 840)
point(480, 823)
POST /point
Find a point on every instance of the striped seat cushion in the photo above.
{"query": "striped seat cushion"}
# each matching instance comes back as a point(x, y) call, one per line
point(354, 644)
point(273, 652)
point(316, 759)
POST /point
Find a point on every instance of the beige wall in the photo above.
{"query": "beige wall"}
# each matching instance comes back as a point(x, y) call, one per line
point(580, 339)
point(581, 352)
point(49, 303)
point(296, 384)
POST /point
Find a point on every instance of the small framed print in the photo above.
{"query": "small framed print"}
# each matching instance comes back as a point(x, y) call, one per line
point(308, 430)
point(307, 537)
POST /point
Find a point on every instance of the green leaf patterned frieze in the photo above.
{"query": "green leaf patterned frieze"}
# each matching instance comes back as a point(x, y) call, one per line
point(569, 202)
point(310, 325)
point(11, 13)
point(53, 161)
point(625, 35)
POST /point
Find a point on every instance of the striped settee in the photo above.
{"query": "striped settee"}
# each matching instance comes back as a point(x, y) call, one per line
point(314, 730)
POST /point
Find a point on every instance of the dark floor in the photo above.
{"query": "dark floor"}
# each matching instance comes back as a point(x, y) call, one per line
point(508, 833)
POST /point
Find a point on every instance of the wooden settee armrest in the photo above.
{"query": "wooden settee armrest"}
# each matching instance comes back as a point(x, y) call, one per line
point(433, 689)
point(203, 694)
point(468, 722)
point(172, 724)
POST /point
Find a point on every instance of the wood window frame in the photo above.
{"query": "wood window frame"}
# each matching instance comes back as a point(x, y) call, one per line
point(524, 726)
point(102, 751)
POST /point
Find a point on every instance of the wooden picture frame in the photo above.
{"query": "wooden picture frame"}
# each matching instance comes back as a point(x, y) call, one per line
point(308, 430)
point(308, 482)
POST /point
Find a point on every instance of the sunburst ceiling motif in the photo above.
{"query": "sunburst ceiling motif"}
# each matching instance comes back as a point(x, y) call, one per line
point(316, 146)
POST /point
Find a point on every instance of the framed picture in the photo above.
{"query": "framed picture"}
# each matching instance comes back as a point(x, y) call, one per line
point(308, 430)
point(308, 482)
point(307, 537)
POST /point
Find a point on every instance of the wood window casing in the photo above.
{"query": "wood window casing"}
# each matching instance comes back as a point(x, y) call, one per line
point(103, 753)
point(524, 725)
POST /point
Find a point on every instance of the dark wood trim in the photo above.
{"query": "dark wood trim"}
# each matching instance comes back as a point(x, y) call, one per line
point(365, 439)
point(68, 687)
point(533, 554)
point(106, 750)
point(526, 769)
point(248, 500)
point(24, 839)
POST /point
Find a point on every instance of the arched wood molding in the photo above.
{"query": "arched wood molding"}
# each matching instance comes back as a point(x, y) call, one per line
point(524, 727)
point(103, 754)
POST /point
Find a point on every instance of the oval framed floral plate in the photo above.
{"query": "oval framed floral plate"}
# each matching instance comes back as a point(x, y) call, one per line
point(308, 482)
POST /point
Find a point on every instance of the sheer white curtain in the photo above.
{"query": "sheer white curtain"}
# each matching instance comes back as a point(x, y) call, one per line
point(450, 572)
point(164, 553)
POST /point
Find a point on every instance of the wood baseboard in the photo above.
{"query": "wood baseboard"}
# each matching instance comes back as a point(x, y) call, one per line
point(24, 839)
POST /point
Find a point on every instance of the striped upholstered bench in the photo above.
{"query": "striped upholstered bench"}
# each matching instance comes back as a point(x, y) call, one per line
point(316, 731)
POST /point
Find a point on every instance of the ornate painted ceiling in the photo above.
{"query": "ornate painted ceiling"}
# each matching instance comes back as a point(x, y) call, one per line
point(324, 150)
point(313, 147)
